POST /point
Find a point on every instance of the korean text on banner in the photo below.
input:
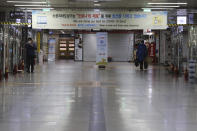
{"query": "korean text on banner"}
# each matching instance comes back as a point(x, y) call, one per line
point(87, 19)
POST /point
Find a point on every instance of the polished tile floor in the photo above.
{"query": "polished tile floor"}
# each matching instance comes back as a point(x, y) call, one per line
point(76, 96)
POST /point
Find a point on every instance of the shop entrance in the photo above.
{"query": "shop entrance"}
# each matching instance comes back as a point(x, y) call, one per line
point(61, 45)
point(66, 47)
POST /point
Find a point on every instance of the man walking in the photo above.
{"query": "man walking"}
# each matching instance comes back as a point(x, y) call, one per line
point(30, 54)
point(142, 53)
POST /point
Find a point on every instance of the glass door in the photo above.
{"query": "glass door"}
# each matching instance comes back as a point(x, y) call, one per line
point(11, 48)
point(1, 48)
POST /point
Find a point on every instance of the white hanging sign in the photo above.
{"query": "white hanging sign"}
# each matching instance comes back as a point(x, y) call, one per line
point(89, 19)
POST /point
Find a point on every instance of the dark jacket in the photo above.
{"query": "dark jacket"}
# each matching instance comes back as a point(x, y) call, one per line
point(142, 52)
point(30, 49)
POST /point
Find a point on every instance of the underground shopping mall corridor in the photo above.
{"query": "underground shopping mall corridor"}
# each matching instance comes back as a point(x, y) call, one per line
point(76, 96)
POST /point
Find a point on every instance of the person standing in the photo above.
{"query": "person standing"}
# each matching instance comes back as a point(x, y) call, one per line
point(30, 54)
point(142, 53)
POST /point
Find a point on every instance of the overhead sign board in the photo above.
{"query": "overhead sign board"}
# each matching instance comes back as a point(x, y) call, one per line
point(113, 19)
point(181, 19)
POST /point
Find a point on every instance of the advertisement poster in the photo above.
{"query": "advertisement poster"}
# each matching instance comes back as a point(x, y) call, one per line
point(102, 48)
point(108, 19)
point(78, 48)
point(51, 49)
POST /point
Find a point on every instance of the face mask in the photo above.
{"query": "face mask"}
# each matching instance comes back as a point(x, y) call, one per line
point(29, 42)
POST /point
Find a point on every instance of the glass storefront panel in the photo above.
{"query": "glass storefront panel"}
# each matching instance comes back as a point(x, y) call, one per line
point(1, 48)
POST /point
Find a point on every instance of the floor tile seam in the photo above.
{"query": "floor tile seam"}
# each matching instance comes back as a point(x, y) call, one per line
point(99, 99)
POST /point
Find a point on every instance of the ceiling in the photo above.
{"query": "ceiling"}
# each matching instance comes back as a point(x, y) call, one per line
point(103, 3)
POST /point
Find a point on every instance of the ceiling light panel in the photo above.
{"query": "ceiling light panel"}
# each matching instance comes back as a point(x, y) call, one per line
point(32, 5)
point(163, 6)
point(167, 3)
point(35, 8)
point(94, 0)
point(159, 8)
point(27, 2)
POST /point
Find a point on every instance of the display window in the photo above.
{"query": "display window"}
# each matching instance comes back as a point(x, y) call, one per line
point(66, 47)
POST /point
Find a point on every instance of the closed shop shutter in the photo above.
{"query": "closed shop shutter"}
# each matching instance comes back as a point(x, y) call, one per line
point(120, 46)
point(89, 47)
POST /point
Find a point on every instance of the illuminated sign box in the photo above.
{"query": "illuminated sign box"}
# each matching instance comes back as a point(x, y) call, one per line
point(181, 20)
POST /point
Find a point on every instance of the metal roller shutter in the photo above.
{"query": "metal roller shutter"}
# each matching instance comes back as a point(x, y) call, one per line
point(89, 47)
point(120, 46)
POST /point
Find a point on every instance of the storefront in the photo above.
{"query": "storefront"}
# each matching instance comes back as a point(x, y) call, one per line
point(14, 47)
point(192, 56)
point(119, 24)
point(59, 44)
point(1, 49)
point(174, 48)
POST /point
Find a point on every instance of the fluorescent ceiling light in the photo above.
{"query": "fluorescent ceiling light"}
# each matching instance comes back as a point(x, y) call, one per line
point(35, 8)
point(167, 3)
point(96, 1)
point(158, 8)
point(33, 5)
point(163, 6)
point(97, 4)
point(27, 2)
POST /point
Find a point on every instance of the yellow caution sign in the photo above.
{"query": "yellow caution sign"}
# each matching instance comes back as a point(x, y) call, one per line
point(175, 25)
point(13, 23)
